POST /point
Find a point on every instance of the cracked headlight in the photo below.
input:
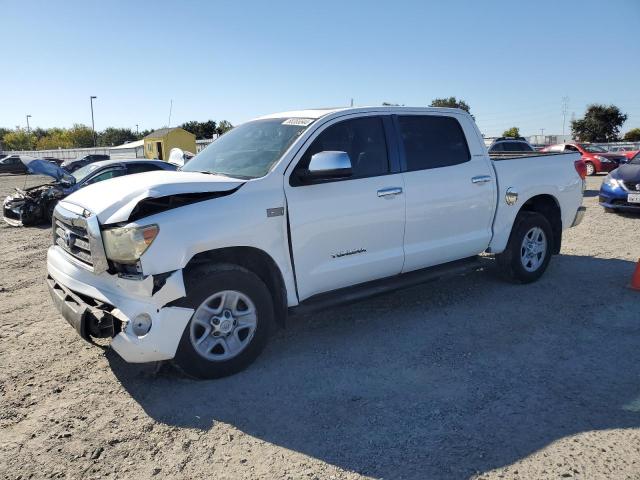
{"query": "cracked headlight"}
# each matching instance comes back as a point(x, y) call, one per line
point(127, 244)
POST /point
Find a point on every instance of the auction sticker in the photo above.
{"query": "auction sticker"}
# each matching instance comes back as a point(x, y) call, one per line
point(300, 122)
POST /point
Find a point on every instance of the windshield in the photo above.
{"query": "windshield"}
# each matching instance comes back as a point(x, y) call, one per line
point(83, 172)
point(593, 148)
point(249, 150)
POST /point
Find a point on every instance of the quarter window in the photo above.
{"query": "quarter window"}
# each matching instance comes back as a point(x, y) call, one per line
point(362, 138)
point(432, 142)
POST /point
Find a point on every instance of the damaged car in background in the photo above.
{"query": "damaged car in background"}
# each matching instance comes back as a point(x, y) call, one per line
point(34, 205)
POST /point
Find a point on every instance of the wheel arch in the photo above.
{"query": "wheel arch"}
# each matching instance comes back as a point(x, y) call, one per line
point(255, 260)
point(548, 206)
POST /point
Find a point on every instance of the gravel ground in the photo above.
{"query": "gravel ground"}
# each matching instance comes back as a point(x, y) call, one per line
point(469, 377)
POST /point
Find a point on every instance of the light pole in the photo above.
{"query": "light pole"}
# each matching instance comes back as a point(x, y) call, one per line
point(28, 130)
point(137, 132)
point(93, 125)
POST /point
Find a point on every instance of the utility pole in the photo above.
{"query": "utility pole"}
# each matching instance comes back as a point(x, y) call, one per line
point(352, 102)
point(542, 134)
point(565, 109)
point(28, 130)
point(137, 132)
point(93, 125)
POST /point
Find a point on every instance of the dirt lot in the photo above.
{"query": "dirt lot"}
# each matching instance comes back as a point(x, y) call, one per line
point(467, 377)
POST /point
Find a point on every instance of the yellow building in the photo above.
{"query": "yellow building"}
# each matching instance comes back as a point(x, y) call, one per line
point(158, 144)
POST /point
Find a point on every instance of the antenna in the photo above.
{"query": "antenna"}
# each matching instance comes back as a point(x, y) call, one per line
point(565, 109)
point(170, 109)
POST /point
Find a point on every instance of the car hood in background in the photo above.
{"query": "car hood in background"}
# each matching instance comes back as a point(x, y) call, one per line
point(114, 200)
point(45, 167)
point(629, 172)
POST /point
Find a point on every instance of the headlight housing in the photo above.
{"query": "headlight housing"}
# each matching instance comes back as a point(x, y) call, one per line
point(612, 182)
point(127, 244)
point(602, 159)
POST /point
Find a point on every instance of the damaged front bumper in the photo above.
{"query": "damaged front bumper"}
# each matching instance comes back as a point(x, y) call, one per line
point(103, 305)
point(18, 210)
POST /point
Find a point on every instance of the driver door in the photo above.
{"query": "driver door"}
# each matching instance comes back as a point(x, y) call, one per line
point(346, 231)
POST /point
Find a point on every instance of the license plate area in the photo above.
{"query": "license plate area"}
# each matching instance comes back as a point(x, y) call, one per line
point(633, 198)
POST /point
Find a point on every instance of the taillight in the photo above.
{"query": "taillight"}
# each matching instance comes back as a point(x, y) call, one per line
point(581, 168)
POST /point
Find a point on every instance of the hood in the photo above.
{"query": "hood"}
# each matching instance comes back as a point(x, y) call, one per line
point(45, 167)
point(114, 200)
point(629, 172)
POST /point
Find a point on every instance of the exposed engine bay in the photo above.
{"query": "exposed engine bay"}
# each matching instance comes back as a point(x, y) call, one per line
point(32, 206)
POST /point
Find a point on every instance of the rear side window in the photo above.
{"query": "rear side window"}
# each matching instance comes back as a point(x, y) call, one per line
point(362, 138)
point(497, 147)
point(570, 148)
point(141, 167)
point(432, 142)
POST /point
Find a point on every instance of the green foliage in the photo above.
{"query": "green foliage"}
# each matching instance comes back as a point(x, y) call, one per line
point(451, 102)
point(632, 135)
point(17, 139)
point(55, 138)
point(601, 123)
point(112, 137)
point(81, 136)
point(200, 129)
point(223, 126)
point(512, 132)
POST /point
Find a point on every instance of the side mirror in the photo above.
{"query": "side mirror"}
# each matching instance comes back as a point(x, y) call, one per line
point(328, 164)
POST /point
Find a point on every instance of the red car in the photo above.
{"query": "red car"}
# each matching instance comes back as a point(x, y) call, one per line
point(596, 159)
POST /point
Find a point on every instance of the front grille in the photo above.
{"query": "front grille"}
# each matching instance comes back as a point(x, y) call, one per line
point(73, 239)
point(633, 186)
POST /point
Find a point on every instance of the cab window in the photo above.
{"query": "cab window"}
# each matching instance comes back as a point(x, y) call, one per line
point(362, 138)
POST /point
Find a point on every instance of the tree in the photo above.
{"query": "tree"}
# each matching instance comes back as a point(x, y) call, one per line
point(54, 139)
point(632, 135)
point(451, 102)
point(111, 137)
point(601, 123)
point(200, 129)
point(223, 126)
point(17, 139)
point(512, 132)
point(81, 136)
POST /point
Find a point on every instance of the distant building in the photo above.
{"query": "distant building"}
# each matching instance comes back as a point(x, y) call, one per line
point(548, 139)
point(159, 143)
point(128, 150)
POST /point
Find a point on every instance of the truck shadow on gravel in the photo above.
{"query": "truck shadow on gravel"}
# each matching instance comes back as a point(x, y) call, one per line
point(441, 380)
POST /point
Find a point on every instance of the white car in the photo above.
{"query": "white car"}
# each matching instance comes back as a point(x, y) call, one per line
point(294, 211)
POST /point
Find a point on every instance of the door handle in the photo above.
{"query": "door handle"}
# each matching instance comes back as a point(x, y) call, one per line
point(481, 179)
point(391, 191)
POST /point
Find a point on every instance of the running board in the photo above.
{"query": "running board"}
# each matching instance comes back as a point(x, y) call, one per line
point(397, 282)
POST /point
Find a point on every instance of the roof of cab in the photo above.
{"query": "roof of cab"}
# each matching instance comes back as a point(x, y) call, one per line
point(316, 113)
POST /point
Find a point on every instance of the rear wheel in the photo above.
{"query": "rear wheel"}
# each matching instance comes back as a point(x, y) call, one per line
point(591, 169)
point(529, 249)
point(233, 311)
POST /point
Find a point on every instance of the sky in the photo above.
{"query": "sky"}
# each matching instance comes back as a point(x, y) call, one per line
point(512, 62)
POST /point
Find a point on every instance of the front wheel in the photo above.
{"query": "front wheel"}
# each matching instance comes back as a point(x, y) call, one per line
point(529, 249)
point(233, 311)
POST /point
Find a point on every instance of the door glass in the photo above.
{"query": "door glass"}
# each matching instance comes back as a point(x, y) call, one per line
point(432, 142)
point(362, 138)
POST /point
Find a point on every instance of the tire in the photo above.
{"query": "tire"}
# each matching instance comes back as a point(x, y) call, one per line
point(518, 263)
point(211, 288)
point(591, 169)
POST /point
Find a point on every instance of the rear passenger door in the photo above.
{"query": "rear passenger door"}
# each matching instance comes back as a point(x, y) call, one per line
point(450, 193)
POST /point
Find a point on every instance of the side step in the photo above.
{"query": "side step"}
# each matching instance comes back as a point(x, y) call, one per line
point(397, 282)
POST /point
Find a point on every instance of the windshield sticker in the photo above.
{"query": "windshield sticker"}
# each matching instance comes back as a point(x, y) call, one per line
point(301, 122)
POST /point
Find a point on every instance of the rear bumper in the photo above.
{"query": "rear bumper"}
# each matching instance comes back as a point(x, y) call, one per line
point(104, 305)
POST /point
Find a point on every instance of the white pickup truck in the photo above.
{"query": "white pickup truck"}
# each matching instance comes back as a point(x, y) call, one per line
point(295, 211)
